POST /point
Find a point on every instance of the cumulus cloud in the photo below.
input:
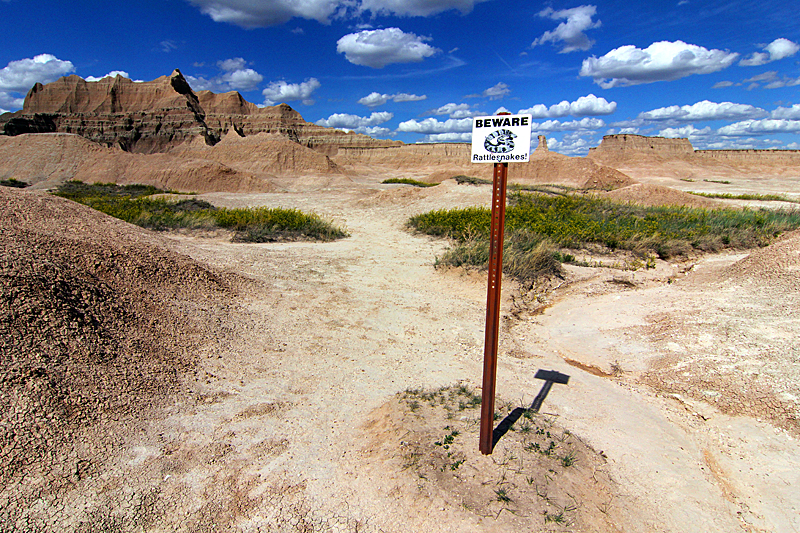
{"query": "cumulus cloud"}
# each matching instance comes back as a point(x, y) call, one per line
point(777, 49)
point(112, 74)
point(378, 48)
point(235, 77)
point(685, 132)
point(661, 61)
point(352, 122)
point(787, 112)
point(760, 127)
point(19, 76)
point(771, 80)
point(455, 110)
point(448, 137)
point(376, 99)
point(584, 106)
point(704, 110)
point(431, 126)
point(260, 13)
point(280, 91)
point(417, 8)
point(573, 125)
point(497, 92)
point(571, 144)
point(571, 32)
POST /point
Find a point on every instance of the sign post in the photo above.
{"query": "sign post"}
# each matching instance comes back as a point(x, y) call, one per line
point(496, 139)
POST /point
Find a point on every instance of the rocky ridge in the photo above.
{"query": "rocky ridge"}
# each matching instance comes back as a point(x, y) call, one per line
point(155, 116)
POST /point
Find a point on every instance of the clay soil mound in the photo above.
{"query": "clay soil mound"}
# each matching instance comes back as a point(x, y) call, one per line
point(775, 269)
point(97, 330)
point(656, 195)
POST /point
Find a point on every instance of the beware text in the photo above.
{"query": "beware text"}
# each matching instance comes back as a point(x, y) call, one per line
point(501, 122)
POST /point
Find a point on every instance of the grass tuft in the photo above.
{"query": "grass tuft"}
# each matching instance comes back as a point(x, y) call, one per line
point(133, 203)
point(409, 181)
point(12, 182)
point(538, 226)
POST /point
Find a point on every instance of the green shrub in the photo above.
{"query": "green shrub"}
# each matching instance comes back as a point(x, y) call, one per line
point(538, 225)
point(408, 181)
point(11, 182)
point(132, 203)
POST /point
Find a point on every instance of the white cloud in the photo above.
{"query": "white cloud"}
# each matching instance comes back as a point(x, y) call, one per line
point(684, 132)
point(704, 110)
point(570, 33)
point(455, 110)
point(777, 49)
point(417, 8)
point(723, 84)
point(497, 92)
point(236, 77)
point(378, 48)
point(8, 102)
point(584, 106)
point(112, 74)
point(570, 145)
point(280, 91)
point(19, 76)
point(260, 13)
point(661, 61)
point(448, 137)
point(376, 131)
point(431, 125)
point(573, 125)
point(787, 112)
point(405, 97)
point(352, 122)
point(376, 99)
point(760, 127)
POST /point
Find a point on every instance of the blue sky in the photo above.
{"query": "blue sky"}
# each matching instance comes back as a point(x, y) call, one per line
point(725, 74)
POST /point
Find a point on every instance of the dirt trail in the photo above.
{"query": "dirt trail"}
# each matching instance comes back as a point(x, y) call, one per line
point(286, 429)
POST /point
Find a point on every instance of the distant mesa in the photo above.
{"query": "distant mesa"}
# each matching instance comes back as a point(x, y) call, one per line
point(163, 133)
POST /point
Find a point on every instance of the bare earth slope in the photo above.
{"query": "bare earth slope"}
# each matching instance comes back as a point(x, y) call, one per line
point(99, 329)
point(680, 406)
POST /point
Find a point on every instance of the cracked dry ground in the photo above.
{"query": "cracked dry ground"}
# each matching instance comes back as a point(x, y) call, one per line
point(185, 383)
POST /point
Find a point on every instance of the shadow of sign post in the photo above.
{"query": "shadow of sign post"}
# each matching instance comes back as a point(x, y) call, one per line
point(550, 377)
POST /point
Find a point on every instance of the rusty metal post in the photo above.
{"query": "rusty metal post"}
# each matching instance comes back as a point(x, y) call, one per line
point(493, 306)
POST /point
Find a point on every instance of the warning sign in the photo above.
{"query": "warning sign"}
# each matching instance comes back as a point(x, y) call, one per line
point(501, 139)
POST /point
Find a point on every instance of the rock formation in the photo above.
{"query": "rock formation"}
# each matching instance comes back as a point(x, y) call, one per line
point(156, 116)
point(436, 162)
point(645, 157)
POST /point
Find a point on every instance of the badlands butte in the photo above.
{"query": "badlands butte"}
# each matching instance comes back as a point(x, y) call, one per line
point(176, 381)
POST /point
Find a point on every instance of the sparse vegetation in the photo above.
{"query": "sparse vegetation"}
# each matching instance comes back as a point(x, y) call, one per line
point(409, 181)
point(538, 226)
point(11, 182)
point(134, 204)
point(759, 197)
point(539, 470)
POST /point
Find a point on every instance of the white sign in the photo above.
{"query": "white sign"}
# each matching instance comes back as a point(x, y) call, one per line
point(501, 139)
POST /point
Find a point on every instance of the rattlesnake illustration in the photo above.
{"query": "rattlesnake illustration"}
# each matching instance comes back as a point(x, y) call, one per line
point(500, 142)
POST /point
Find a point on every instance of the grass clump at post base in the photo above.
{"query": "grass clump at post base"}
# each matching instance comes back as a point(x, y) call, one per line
point(132, 203)
point(538, 226)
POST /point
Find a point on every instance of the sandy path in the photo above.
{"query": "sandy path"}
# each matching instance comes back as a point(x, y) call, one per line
point(275, 441)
